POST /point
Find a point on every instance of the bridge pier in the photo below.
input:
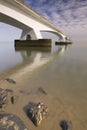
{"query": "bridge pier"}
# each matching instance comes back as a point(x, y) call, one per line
point(24, 34)
point(33, 34)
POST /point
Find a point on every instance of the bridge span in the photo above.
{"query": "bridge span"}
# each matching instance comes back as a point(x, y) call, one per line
point(20, 15)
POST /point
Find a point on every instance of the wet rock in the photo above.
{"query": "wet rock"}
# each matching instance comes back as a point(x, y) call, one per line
point(37, 113)
point(11, 122)
point(25, 92)
point(14, 99)
point(66, 125)
point(10, 81)
point(41, 90)
point(6, 97)
point(3, 97)
point(9, 90)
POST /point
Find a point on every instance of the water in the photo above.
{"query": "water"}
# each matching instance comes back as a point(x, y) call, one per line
point(68, 79)
point(8, 56)
point(65, 75)
point(11, 56)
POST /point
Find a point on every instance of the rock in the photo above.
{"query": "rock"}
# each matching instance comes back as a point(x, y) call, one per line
point(6, 97)
point(3, 97)
point(14, 99)
point(11, 122)
point(66, 125)
point(37, 113)
point(41, 90)
point(10, 81)
point(9, 90)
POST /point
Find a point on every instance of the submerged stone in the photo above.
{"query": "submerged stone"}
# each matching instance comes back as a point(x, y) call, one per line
point(41, 90)
point(6, 97)
point(37, 113)
point(66, 125)
point(10, 81)
point(3, 97)
point(14, 99)
point(11, 122)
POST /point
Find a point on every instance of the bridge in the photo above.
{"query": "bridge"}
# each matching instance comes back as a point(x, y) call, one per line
point(20, 15)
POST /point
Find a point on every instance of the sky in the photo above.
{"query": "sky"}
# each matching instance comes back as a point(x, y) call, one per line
point(70, 16)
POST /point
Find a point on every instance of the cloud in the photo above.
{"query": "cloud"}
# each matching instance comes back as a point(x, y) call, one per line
point(69, 15)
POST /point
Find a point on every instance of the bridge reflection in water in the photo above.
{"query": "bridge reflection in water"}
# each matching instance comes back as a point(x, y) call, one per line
point(35, 57)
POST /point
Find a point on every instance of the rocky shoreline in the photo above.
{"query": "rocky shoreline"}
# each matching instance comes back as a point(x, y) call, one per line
point(21, 93)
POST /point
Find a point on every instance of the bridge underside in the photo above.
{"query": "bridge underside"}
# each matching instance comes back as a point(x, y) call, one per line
point(27, 32)
point(16, 13)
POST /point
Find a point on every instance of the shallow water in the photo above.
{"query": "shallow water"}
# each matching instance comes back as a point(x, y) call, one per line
point(65, 78)
point(64, 74)
point(11, 56)
point(8, 56)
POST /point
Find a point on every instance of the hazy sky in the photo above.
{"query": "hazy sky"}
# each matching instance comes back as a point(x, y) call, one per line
point(69, 15)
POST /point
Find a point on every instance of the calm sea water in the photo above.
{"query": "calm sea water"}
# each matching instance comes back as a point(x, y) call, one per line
point(8, 56)
point(65, 75)
point(11, 56)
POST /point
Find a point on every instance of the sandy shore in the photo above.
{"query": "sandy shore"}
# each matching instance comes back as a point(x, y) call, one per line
point(27, 91)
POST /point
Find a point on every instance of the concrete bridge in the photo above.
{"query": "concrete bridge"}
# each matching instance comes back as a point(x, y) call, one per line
point(20, 15)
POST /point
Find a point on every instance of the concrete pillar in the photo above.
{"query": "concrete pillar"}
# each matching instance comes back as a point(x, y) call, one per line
point(24, 34)
point(61, 37)
point(34, 34)
point(65, 38)
point(37, 33)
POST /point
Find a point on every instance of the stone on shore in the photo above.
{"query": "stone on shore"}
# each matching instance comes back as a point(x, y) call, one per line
point(37, 113)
